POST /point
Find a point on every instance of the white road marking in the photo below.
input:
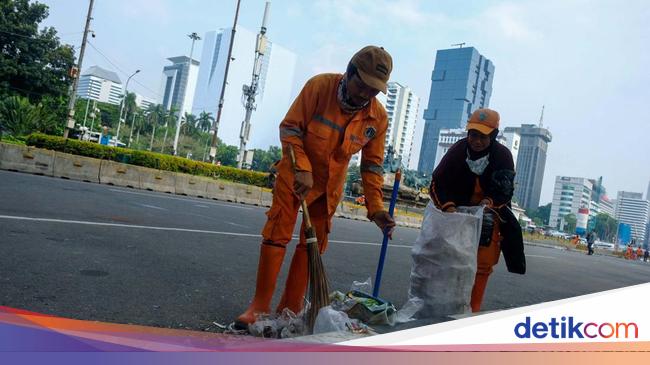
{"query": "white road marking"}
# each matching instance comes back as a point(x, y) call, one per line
point(135, 226)
point(543, 257)
point(237, 225)
point(185, 200)
point(151, 206)
point(201, 206)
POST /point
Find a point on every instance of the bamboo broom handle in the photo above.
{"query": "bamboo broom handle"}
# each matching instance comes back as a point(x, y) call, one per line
point(305, 212)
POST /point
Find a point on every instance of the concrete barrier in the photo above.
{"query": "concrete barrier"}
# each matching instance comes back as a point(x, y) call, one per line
point(234, 192)
point(157, 180)
point(27, 159)
point(75, 167)
point(119, 174)
point(266, 197)
point(221, 190)
point(248, 194)
point(192, 185)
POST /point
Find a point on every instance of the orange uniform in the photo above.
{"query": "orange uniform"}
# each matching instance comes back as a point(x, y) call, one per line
point(324, 139)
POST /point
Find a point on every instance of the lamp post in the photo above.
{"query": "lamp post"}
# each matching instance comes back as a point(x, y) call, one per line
point(126, 88)
point(194, 37)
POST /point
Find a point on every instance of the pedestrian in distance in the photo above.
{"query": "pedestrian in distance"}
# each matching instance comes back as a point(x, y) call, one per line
point(333, 117)
point(478, 170)
point(591, 239)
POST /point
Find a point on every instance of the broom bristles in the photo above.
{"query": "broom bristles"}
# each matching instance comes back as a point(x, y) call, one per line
point(318, 283)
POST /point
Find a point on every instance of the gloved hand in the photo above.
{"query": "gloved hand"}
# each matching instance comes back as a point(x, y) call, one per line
point(303, 182)
point(486, 228)
point(384, 221)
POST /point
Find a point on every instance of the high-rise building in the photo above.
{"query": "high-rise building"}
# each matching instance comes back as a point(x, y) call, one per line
point(512, 140)
point(143, 102)
point(569, 195)
point(647, 194)
point(461, 82)
point(101, 85)
point(531, 162)
point(401, 105)
point(275, 82)
point(632, 209)
point(179, 84)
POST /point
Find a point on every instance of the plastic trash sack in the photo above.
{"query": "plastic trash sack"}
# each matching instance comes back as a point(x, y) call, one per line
point(331, 320)
point(444, 261)
point(371, 310)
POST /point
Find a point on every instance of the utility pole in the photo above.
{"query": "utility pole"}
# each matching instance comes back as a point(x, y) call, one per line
point(213, 146)
point(126, 92)
point(75, 73)
point(194, 37)
point(251, 91)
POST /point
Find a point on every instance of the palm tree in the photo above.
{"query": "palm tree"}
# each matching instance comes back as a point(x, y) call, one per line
point(170, 116)
point(205, 121)
point(156, 116)
point(189, 125)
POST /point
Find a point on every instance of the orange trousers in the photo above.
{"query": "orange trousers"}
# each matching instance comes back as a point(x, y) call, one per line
point(281, 219)
point(486, 258)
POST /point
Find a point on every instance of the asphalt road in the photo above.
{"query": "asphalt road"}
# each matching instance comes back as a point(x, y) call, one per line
point(98, 252)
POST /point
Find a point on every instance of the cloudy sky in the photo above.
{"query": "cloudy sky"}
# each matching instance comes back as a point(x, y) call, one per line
point(588, 62)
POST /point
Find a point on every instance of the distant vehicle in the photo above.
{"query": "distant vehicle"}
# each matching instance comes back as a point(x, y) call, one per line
point(604, 245)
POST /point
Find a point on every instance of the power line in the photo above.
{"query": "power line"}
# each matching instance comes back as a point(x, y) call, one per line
point(119, 69)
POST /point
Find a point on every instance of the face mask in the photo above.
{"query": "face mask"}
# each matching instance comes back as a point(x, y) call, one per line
point(478, 166)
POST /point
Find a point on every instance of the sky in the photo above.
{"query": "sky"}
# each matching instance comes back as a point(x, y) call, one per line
point(587, 62)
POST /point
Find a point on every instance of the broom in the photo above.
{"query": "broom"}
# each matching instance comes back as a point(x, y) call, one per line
point(318, 294)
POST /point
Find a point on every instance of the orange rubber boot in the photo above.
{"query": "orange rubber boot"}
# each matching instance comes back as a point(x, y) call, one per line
point(297, 280)
point(271, 258)
point(480, 283)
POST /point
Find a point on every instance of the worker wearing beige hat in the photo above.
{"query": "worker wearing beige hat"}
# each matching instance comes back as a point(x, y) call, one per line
point(480, 170)
point(333, 117)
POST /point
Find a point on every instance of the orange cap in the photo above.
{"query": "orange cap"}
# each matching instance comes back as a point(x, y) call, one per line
point(374, 65)
point(483, 120)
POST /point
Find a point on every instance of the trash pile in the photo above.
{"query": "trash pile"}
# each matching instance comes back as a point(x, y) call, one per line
point(353, 311)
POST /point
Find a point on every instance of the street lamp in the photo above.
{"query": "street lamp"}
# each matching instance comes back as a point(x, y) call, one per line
point(194, 37)
point(126, 87)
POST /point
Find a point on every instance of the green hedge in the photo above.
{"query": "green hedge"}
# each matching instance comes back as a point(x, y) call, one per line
point(146, 159)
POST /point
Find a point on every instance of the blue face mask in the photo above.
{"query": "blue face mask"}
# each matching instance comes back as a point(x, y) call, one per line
point(479, 165)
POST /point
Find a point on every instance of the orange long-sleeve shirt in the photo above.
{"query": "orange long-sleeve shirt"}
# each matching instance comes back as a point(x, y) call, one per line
point(324, 138)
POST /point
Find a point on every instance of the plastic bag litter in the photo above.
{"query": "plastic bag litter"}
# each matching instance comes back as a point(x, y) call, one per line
point(371, 310)
point(264, 326)
point(362, 286)
point(444, 260)
point(331, 320)
point(341, 302)
point(285, 325)
point(408, 311)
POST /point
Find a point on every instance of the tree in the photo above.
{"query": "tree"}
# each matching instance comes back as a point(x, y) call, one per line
point(570, 220)
point(204, 122)
point(542, 212)
point(33, 63)
point(262, 160)
point(19, 117)
point(605, 227)
point(227, 155)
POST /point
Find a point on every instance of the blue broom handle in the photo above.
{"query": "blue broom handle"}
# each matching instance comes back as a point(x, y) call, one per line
point(384, 243)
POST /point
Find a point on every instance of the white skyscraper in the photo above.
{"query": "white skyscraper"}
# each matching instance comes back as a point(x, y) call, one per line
point(101, 85)
point(273, 99)
point(402, 108)
point(143, 102)
point(632, 209)
point(512, 141)
point(179, 83)
point(569, 195)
